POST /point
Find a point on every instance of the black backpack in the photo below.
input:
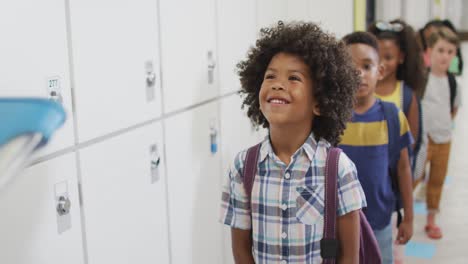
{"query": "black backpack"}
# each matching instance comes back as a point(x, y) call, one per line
point(453, 89)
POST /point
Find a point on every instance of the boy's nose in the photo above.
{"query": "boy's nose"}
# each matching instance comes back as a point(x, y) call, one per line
point(361, 73)
point(278, 86)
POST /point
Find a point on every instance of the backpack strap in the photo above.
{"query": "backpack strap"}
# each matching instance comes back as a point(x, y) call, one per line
point(418, 142)
point(250, 169)
point(329, 245)
point(393, 126)
point(407, 97)
point(453, 89)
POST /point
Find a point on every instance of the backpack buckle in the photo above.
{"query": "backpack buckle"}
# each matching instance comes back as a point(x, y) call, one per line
point(329, 248)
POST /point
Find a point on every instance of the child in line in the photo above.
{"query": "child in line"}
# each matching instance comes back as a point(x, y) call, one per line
point(455, 69)
point(439, 111)
point(299, 83)
point(403, 76)
point(403, 69)
point(366, 141)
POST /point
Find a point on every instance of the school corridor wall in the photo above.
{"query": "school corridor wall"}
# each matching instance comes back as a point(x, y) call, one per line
point(153, 120)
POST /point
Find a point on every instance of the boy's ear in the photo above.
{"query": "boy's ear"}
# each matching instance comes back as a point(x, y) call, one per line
point(380, 71)
point(316, 110)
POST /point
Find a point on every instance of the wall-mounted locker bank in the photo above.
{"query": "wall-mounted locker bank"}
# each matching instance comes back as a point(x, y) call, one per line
point(153, 122)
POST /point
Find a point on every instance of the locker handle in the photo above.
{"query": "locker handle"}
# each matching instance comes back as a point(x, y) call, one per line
point(150, 79)
point(155, 161)
point(211, 67)
point(63, 205)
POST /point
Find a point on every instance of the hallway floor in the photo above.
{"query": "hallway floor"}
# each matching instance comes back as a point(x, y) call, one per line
point(453, 247)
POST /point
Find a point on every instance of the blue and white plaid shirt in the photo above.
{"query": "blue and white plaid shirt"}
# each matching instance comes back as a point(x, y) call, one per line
point(288, 202)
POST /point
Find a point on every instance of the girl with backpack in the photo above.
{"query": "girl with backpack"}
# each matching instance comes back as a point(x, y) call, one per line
point(402, 78)
point(403, 74)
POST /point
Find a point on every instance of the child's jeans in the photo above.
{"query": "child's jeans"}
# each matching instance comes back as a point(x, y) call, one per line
point(385, 241)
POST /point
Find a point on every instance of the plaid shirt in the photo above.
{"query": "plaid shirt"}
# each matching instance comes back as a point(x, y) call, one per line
point(288, 202)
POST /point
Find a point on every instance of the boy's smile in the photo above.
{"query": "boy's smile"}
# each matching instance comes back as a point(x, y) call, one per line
point(286, 92)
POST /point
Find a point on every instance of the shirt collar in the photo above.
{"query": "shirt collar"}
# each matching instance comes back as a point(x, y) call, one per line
point(309, 147)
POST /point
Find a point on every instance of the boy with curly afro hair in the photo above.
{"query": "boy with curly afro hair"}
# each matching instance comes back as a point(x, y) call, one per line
point(299, 83)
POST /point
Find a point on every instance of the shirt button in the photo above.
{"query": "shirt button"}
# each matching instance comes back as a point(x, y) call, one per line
point(287, 175)
point(284, 262)
point(284, 207)
point(284, 235)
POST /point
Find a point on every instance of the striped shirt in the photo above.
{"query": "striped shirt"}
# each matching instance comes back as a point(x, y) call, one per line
point(287, 203)
point(365, 141)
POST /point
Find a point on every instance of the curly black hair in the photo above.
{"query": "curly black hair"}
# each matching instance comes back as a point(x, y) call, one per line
point(412, 69)
point(335, 80)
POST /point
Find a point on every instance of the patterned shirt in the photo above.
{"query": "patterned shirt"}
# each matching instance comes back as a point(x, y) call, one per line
point(287, 203)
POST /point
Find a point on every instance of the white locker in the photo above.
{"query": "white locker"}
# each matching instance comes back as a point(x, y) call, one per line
point(297, 10)
point(188, 50)
point(124, 198)
point(34, 58)
point(237, 134)
point(237, 131)
point(235, 37)
point(335, 16)
point(269, 12)
point(194, 186)
point(31, 229)
point(116, 64)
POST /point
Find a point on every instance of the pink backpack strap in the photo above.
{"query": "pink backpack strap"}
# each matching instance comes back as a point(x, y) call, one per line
point(329, 245)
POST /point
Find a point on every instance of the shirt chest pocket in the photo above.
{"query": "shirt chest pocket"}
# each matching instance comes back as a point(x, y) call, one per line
point(310, 204)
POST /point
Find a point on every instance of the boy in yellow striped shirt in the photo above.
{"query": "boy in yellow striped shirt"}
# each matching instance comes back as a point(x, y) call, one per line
point(371, 142)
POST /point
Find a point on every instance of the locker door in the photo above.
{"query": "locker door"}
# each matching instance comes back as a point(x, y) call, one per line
point(124, 198)
point(338, 21)
point(189, 57)
point(31, 229)
point(116, 64)
point(34, 57)
point(237, 134)
point(235, 36)
point(194, 180)
point(270, 11)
